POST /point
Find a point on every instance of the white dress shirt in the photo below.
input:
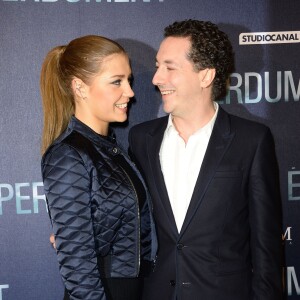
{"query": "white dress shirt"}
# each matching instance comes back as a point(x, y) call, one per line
point(181, 163)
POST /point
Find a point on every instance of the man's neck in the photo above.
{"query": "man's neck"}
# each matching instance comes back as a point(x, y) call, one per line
point(187, 125)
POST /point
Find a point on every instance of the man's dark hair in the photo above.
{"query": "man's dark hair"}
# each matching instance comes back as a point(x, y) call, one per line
point(210, 48)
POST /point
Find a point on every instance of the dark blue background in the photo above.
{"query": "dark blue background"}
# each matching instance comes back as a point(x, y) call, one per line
point(29, 29)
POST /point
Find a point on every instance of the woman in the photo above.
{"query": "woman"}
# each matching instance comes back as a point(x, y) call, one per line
point(98, 202)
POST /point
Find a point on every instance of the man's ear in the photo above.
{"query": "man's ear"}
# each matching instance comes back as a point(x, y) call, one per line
point(206, 77)
point(79, 88)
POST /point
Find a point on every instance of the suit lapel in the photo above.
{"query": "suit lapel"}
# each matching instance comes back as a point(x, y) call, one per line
point(154, 139)
point(218, 144)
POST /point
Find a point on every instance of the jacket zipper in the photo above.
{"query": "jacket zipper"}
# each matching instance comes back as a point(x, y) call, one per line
point(138, 214)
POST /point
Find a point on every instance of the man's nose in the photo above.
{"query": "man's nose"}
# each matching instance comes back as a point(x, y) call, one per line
point(158, 77)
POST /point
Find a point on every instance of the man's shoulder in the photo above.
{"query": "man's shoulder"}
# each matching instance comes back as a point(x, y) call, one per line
point(247, 124)
point(244, 124)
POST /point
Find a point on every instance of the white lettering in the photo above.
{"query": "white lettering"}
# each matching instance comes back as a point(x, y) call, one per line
point(267, 88)
point(36, 196)
point(292, 278)
point(293, 186)
point(247, 87)
point(27, 197)
point(236, 88)
point(20, 198)
point(9, 194)
point(3, 286)
point(256, 86)
point(288, 80)
point(287, 235)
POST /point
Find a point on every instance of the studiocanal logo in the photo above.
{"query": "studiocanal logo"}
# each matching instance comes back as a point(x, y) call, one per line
point(96, 1)
point(279, 37)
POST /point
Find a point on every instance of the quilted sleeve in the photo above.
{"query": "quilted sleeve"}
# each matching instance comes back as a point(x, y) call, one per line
point(67, 189)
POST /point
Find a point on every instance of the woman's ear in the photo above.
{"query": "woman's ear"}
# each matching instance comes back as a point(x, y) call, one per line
point(206, 77)
point(78, 87)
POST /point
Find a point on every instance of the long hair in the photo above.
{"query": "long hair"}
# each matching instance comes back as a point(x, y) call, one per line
point(81, 58)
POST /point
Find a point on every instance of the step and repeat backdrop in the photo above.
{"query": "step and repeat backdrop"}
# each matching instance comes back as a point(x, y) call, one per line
point(264, 87)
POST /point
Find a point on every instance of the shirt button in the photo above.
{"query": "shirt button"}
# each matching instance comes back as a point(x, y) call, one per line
point(172, 282)
point(180, 246)
point(115, 150)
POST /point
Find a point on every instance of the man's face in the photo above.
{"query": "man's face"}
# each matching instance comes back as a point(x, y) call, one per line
point(175, 77)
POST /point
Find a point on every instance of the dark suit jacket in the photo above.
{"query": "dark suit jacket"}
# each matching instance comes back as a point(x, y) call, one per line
point(229, 247)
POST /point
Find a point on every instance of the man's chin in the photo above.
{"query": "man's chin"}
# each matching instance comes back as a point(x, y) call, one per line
point(167, 109)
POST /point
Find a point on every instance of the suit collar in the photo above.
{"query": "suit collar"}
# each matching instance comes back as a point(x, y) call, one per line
point(158, 128)
point(154, 140)
point(218, 144)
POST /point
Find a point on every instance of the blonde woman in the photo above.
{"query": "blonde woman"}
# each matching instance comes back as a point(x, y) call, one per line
point(98, 203)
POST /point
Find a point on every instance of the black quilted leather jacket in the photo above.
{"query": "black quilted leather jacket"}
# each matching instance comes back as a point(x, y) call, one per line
point(100, 231)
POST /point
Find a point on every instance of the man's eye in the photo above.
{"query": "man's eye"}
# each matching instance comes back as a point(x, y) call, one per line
point(117, 82)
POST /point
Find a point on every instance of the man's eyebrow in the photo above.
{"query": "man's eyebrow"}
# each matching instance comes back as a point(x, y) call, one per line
point(168, 62)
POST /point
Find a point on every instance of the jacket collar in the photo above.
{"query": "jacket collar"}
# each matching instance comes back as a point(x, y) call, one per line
point(89, 133)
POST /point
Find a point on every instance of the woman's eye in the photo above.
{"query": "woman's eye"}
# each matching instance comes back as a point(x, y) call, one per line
point(116, 82)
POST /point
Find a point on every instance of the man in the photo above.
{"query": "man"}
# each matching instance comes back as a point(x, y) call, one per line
point(212, 176)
